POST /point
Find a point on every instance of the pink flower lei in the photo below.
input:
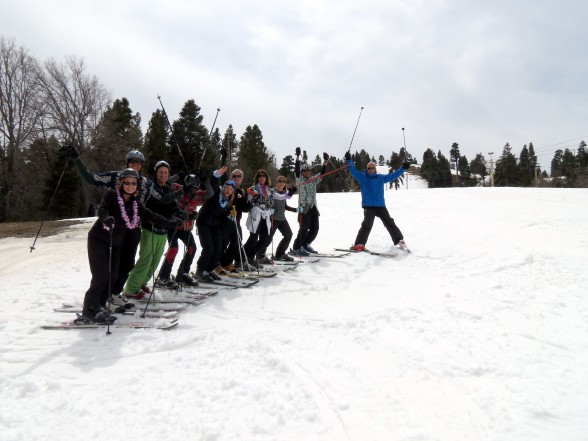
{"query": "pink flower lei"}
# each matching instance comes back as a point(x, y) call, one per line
point(130, 225)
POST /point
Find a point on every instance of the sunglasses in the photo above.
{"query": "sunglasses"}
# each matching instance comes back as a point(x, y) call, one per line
point(281, 181)
point(132, 184)
point(371, 168)
point(237, 176)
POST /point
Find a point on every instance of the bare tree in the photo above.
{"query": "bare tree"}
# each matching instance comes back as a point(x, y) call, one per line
point(74, 104)
point(20, 113)
point(74, 101)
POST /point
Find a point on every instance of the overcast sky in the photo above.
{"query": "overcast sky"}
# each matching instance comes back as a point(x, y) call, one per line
point(477, 73)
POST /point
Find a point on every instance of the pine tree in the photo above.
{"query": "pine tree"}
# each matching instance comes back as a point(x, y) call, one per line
point(581, 178)
point(429, 169)
point(361, 159)
point(556, 168)
point(454, 155)
point(582, 156)
point(478, 166)
point(65, 204)
point(463, 168)
point(507, 171)
point(287, 167)
point(118, 131)
point(191, 136)
point(253, 154)
point(395, 161)
point(526, 171)
point(211, 160)
point(156, 140)
point(568, 164)
point(337, 181)
point(230, 143)
point(444, 170)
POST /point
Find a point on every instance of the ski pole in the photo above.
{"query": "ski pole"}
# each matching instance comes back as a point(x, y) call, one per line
point(242, 253)
point(209, 138)
point(314, 178)
point(152, 293)
point(32, 247)
point(405, 154)
point(109, 279)
point(173, 133)
point(355, 129)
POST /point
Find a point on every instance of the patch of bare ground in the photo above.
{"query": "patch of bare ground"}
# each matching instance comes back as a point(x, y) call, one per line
point(29, 229)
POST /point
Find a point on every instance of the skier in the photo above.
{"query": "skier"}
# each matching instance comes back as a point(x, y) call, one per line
point(193, 196)
point(215, 222)
point(372, 201)
point(279, 222)
point(153, 236)
point(119, 213)
point(231, 258)
point(309, 215)
point(262, 197)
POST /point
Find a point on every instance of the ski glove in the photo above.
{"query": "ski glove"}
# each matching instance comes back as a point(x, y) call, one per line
point(347, 156)
point(108, 221)
point(181, 215)
point(181, 175)
point(70, 152)
point(292, 189)
point(300, 210)
point(325, 156)
point(297, 151)
point(223, 153)
point(174, 223)
point(406, 165)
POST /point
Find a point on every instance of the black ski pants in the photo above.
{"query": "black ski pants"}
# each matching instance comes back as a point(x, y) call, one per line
point(232, 253)
point(309, 228)
point(127, 253)
point(257, 241)
point(283, 227)
point(369, 213)
point(213, 240)
point(190, 243)
point(98, 257)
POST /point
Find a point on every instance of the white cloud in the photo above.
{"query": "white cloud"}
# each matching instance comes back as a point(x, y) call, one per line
point(475, 73)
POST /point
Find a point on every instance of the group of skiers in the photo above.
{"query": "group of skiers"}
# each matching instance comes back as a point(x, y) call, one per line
point(136, 212)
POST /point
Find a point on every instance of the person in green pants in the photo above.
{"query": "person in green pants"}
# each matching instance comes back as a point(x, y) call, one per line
point(153, 237)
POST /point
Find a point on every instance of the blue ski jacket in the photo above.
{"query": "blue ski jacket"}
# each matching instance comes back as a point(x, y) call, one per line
point(372, 185)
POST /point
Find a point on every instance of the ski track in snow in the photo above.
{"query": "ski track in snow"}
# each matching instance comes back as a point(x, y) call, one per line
point(480, 335)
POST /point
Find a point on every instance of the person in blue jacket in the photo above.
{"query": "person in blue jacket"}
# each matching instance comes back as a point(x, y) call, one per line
point(372, 201)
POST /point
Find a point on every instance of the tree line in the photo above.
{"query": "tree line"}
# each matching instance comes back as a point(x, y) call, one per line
point(47, 105)
point(569, 168)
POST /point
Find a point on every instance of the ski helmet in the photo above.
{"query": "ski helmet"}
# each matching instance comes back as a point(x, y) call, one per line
point(129, 173)
point(305, 166)
point(161, 164)
point(135, 155)
point(192, 181)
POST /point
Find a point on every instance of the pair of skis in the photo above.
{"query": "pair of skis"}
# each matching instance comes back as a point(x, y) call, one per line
point(160, 313)
point(398, 252)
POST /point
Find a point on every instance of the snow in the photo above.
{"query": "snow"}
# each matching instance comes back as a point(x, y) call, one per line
point(480, 334)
